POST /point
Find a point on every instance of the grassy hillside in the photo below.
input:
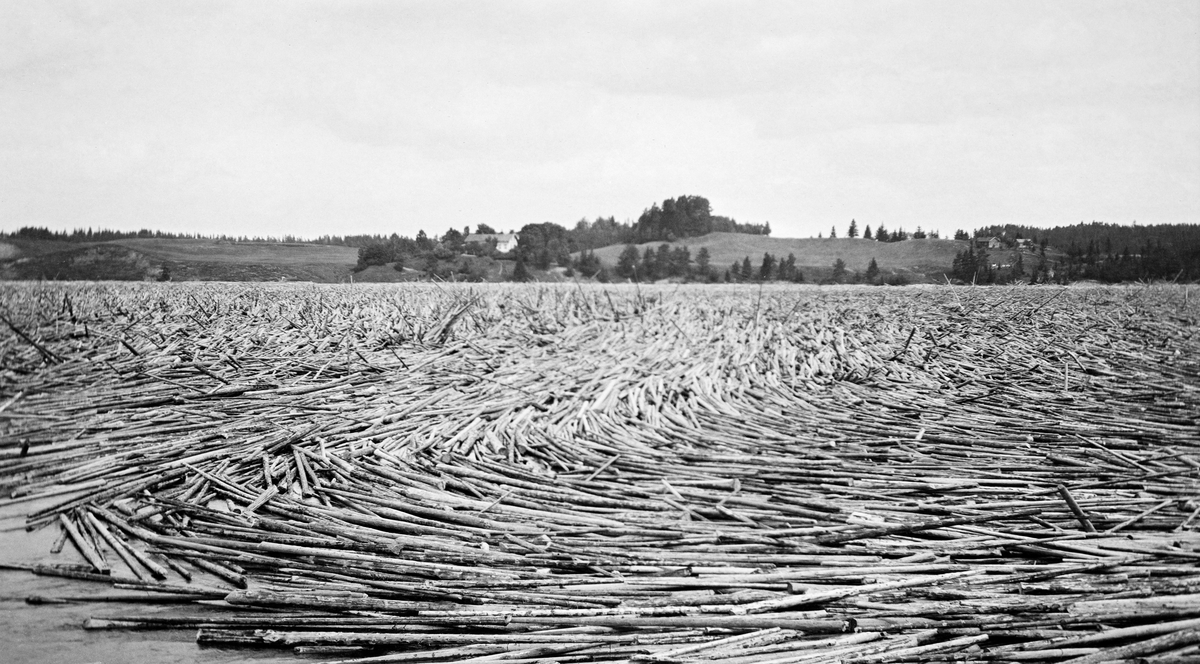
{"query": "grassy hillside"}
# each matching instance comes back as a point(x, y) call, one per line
point(927, 258)
point(253, 253)
point(216, 260)
point(70, 261)
point(187, 260)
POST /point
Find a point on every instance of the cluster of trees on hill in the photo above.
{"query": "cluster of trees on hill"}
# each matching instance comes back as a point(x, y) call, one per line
point(1103, 252)
point(546, 245)
point(1149, 261)
point(669, 262)
point(769, 269)
point(840, 274)
point(674, 219)
point(978, 265)
point(448, 256)
point(602, 232)
point(1112, 237)
point(687, 216)
point(881, 234)
point(666, 262)
point(774, 269)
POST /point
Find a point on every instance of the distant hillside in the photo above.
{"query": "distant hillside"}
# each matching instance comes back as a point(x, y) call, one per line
point(926, 259)
point(224, 251)
point(185, 259)
point(60, 260)
point(222, 260)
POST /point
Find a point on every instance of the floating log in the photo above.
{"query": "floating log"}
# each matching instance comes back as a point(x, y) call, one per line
point(545, 473)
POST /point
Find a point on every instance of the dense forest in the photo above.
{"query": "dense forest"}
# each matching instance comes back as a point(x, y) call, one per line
point(1098, 251)
point(109, 235)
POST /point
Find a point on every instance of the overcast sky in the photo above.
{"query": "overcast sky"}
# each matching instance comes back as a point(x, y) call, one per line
point(312, 118)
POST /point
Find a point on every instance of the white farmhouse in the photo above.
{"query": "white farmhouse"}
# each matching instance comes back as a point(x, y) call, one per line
point(505, 242)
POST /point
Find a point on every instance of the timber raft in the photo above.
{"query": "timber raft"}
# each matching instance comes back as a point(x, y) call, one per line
point(574, 473)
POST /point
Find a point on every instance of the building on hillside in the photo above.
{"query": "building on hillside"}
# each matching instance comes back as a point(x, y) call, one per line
point(991, 242)
point(505, 242)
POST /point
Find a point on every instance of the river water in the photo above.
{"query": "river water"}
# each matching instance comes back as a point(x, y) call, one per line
point(54, 634)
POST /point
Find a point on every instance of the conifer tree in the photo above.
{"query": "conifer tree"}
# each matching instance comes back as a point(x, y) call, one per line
point(839, 270)
point(627, 262)
point(520, 272)
point(767, 267)
point(872, 271)
point(649, 270)
point(702, 260)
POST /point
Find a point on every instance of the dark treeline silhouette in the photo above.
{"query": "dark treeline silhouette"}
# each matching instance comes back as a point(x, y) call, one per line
point(684, 216)
point(980, 265)
point(1100, 251)
point(770, 268)
point(1113, 237)
point(109, 235)
point(539, 246)
point(674, 219)
point(882, 234)
point(667, 262)
point(687, 216)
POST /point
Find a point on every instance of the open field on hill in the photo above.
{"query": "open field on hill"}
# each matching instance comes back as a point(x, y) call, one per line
point(263, 253)
point(581, 473)
point(212, 260)
point(187, 260)
point(924, 258)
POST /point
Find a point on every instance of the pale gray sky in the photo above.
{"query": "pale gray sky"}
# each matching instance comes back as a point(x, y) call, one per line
point(266, 117)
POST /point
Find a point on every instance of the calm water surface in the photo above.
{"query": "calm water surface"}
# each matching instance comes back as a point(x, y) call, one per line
point(54, 634)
